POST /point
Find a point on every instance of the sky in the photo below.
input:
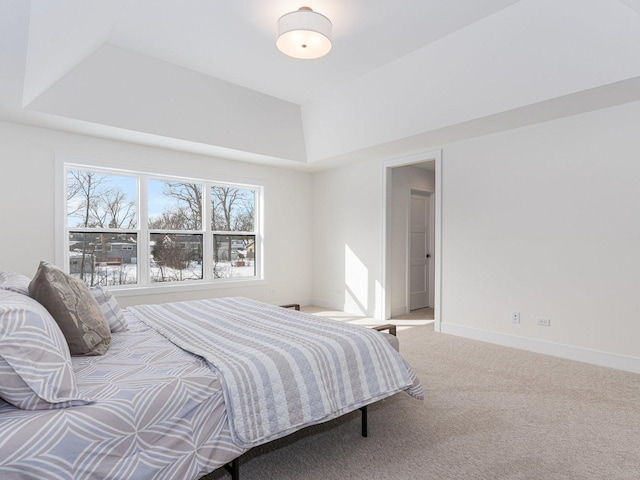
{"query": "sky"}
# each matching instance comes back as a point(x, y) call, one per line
point(157, 201)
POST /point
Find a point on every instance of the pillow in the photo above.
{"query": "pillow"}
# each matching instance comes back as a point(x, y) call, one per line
point(110, 308)
point(71, 304)
point(14, 282)
point(35, 365)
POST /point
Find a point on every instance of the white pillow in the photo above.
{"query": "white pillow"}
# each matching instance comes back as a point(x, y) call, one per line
point(110, 308)
point(14, 282)
point(35, 364)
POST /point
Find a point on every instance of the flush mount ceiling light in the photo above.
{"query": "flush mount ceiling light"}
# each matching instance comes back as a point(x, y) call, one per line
point(304, 34)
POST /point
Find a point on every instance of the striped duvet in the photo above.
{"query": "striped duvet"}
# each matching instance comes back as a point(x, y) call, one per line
point(282, 370)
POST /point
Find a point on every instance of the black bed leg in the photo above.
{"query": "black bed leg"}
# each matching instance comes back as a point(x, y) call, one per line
point(233, 468)
point(364, 420)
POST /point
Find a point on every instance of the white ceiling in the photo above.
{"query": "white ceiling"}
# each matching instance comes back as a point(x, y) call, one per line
point(402, 76)
point(235, 40)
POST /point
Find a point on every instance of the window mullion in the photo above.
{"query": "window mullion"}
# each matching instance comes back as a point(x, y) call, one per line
point(144, 249)
point(207, 260)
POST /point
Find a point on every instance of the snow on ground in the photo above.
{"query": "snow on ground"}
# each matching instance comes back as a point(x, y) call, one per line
point(126, 274)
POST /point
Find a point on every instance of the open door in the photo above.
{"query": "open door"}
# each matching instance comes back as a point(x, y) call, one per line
point(423, 261)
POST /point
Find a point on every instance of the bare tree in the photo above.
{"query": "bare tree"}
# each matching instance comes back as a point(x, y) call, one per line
point(95, 204)
point(244, 220)
point(187, 214)
point(173, 220)
point(173, 256)
point(233, 211)
point(111, 210)
point(82, 191)
point(82, 188)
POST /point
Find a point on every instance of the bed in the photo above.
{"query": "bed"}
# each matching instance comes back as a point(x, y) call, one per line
point(182, 388)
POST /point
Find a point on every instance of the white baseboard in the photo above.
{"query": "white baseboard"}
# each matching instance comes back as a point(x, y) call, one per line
point(595, 357)
point(329, 305)
point(326, 304)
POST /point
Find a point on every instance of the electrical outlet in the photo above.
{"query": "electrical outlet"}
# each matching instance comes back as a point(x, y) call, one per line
point(515, 317)
point(543, 322)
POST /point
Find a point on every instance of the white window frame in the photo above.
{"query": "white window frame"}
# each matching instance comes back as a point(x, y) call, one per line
point(142, 230)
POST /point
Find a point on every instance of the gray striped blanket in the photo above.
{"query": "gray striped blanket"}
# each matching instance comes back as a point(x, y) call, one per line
point(282, 370)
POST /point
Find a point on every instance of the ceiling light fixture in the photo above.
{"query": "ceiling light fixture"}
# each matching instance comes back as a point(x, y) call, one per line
point(304, 34)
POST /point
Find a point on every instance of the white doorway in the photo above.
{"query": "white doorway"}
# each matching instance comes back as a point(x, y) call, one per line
point(419, 249)
point(398, 288)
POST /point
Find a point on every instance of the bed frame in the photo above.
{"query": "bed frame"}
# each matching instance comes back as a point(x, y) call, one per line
point(233, 467)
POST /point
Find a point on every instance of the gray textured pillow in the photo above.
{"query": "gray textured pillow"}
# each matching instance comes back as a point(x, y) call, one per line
point(73, 307)
point(35, 365)
point(110, 308)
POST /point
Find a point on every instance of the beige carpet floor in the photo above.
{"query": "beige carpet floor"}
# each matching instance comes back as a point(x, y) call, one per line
point(420, 314)
point(490, 412)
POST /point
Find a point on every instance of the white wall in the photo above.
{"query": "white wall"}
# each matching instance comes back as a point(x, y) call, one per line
point(347, 223)
point(27, 168)
point(543, 220)
point(403, 179)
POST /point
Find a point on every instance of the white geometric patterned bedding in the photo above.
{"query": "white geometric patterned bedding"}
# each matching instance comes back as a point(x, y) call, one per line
point(282, 370)
point(159, 414)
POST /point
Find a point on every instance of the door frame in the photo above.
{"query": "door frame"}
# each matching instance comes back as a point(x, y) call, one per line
point(435, 155)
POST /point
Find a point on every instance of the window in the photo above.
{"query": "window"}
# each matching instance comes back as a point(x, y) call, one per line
point(101, 212)
point(131, 228)
point(175, 230)
point(234, 237)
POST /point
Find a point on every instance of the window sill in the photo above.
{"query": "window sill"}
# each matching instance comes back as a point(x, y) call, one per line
point(159, 289)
